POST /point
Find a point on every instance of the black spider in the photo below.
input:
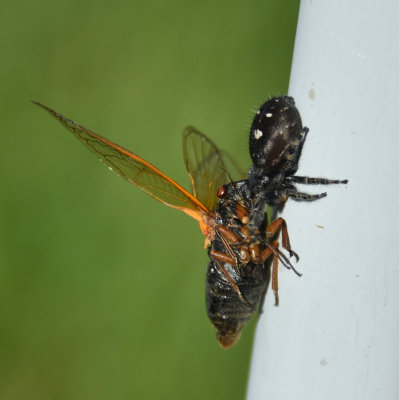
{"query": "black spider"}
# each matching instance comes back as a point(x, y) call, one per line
point(275, 144)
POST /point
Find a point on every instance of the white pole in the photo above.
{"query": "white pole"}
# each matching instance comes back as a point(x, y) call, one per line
point(336, 332)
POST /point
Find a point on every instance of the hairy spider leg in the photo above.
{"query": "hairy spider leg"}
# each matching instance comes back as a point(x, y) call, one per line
point(306, 180)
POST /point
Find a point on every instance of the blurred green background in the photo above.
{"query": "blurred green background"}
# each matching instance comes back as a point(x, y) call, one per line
point(101, 287)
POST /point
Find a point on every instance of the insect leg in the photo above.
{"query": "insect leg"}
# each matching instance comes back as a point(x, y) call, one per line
point(213, 256)
point(226, 236)
point(274, 227)
point(285, 261)
point(218, 255)
point(266, 253)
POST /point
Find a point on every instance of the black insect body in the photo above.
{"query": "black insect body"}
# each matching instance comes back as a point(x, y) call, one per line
point(238, 270)
point(237, 274)
point(225, 309)
point(231, 302)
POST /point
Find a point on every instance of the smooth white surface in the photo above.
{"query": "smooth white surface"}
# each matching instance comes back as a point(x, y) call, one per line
point(336, 332)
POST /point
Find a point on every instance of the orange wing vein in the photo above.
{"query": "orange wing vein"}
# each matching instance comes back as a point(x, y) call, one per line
point(134, 169)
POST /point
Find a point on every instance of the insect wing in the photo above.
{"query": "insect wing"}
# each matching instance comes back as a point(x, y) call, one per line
point(133, 168)
point(208, 167)
point(234, 170)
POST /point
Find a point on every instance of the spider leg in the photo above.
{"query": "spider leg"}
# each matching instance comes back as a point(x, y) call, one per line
point(306, 180)
point(299, 196)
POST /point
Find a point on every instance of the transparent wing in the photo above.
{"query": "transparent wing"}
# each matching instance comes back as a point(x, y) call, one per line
point(134, 169)
point(234, 170)
point(208, 167)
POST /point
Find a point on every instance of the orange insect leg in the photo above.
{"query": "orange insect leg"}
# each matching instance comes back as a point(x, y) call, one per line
point(274, 227)
point(266, 253)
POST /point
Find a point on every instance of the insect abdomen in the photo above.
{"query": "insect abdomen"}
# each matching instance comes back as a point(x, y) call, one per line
point(227, 312)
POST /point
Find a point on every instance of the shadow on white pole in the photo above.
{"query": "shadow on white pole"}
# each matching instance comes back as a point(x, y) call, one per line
point(336, 332)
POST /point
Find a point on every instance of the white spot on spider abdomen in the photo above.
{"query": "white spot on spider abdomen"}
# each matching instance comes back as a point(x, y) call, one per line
point(258, 133)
